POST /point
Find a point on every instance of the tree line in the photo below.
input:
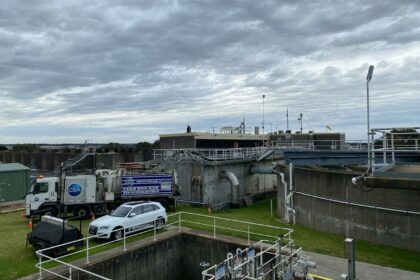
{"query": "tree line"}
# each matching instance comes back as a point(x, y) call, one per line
point(106, 148)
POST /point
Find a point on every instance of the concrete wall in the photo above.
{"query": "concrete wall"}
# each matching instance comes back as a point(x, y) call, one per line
point(376, 225)
point(177, 258)
point(177, 142)
point(47, 161)
point(201, 182)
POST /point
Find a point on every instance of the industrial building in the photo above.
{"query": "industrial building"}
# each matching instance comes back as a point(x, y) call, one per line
point(237, 138)
point(14, 182)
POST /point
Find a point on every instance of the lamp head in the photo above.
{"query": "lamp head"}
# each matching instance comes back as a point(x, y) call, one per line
point(370, 73)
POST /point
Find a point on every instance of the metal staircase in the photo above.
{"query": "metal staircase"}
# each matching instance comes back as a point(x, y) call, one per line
point(72, 162)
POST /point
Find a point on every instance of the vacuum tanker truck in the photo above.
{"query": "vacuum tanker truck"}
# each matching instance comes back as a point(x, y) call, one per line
point(84, 195)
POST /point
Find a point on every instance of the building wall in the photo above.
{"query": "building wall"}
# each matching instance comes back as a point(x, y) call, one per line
point(178, 142)
point(14, 185)
point(201, 182)
point(375, 225)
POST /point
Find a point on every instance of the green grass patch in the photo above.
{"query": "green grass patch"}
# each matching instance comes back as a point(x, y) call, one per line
point(16, 260)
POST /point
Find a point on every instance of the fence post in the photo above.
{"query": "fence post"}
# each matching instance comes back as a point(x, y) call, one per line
point(214, 227)
point(249, 237)
point(179, 222)
point(125, 242)
point(70, 273)
point(87, 250)
point(40, 266)
point(271, 207)
point(392, 147)
point(154, 230)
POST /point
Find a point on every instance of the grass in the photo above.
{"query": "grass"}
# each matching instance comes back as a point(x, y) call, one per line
point(16, 260)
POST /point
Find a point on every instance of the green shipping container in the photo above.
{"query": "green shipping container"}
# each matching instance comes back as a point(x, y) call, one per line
point(14, 181)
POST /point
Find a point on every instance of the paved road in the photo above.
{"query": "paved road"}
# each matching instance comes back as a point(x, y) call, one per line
point(333, 267)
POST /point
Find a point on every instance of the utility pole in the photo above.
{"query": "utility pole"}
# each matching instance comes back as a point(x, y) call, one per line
point(263, 97)
point(287, 118)
point(368, 78)
point(300, 119)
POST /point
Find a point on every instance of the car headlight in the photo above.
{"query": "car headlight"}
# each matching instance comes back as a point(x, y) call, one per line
point(104, 227)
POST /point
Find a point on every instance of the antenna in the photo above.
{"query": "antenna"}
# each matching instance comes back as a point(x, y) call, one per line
point(300, 119)
point(287, 118)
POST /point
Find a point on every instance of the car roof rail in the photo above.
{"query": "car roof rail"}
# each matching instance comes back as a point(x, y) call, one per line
point(135, 202)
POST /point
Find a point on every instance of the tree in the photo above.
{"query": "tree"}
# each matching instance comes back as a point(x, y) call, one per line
point(3, 148)
point(142, 146)
point(26, 148)
point(112, 147)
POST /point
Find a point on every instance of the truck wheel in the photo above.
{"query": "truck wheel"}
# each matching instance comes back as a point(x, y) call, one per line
point(81, 212)
point(160, 224)
point(164, 203)
point(117, 234)
point(50, 211)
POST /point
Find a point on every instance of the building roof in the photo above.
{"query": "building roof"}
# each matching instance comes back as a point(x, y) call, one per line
point(219, 136)
point(4, 167)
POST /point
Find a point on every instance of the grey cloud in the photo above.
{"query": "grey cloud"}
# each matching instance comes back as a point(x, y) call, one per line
point(204, 62)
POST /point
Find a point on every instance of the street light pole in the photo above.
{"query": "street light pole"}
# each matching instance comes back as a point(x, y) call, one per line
point(263, 97)
point(368, 78)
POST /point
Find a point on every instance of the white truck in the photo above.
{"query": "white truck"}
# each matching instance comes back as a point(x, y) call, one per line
point(84, 195)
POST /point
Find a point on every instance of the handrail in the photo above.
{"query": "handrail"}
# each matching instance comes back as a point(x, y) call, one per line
point(72, 161)
point(180, 218)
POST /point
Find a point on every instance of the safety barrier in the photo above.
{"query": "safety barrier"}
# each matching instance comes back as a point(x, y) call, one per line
point(177, 221)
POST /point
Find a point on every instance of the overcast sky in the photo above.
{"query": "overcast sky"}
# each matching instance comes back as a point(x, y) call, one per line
point(127, 71)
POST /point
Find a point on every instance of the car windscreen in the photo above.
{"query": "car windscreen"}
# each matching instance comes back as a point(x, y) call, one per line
point(121, 211)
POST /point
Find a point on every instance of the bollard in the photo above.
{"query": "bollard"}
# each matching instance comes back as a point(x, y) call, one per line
point(350, 256)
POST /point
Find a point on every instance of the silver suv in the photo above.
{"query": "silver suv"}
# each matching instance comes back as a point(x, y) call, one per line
point(128, 218)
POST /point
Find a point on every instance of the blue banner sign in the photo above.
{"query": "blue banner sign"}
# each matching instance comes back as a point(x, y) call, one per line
point(146, 185)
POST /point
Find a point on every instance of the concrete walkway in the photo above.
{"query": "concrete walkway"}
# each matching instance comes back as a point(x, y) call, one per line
point(333, 267)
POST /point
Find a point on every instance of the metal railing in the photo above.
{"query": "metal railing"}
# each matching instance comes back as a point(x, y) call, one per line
point(255, 152)
point(72, 161)
point(210, 154)
point(213, 224)
point(259, 261)
point(393, 141)
point(294, 144)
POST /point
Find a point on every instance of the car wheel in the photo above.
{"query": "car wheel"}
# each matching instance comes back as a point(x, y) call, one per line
point(117, 234)
point(160, 224)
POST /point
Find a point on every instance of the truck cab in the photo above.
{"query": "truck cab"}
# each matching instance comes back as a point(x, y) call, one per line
point(42, 195)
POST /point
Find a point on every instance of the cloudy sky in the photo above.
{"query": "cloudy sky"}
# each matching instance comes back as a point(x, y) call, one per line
point(127, 71)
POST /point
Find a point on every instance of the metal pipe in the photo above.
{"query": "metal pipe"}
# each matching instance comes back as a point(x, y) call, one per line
point(271, 170)
point(290, 195)
point(358, 204)
point(223, 174)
